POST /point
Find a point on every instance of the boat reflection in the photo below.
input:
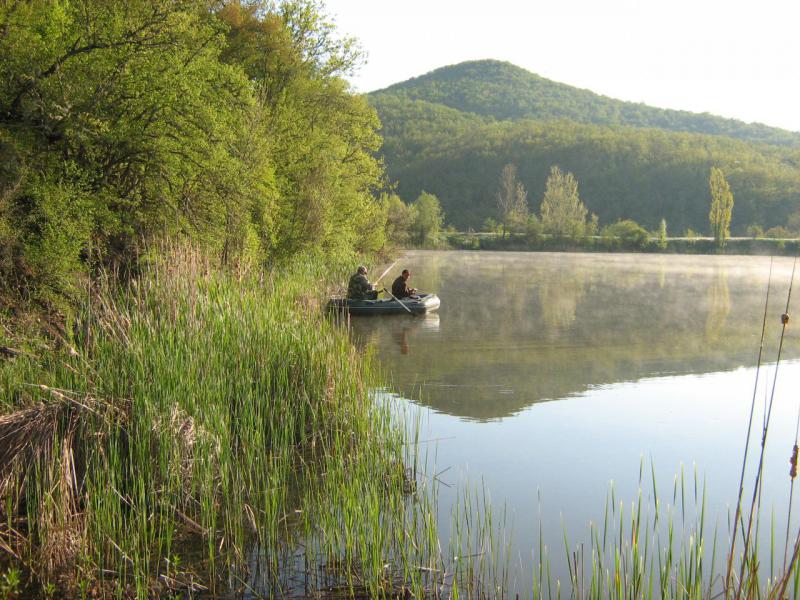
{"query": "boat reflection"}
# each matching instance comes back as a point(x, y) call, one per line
point(401, 329)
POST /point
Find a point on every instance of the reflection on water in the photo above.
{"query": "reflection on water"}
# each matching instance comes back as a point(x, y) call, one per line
point(638, 356)
point(515, 329)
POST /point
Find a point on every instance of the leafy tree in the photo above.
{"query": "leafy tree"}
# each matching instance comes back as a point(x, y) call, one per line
point(628, 232)
point(778, 232)
point(452, 140)
point(490, 225)
point(400, 219)
point(503, 91)
point(225, 123)
point(512, 203)
point(533, 229)
point(721, 207)
point(755, 231)
point(562, 212)
point(593, 225)
point(662, 234)
point(429, 218)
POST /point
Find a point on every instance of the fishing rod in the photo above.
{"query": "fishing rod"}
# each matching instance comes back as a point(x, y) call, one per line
point(385, 272)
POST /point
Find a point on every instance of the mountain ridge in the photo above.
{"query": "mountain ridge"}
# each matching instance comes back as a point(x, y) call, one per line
point(510, 92)
point(450, 132)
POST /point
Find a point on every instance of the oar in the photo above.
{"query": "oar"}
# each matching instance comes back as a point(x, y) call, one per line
point(398, 301)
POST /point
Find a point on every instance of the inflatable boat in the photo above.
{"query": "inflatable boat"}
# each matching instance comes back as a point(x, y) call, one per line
point(418, 304)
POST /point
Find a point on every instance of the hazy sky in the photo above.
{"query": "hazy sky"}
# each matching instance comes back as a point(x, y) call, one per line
point(733, 58)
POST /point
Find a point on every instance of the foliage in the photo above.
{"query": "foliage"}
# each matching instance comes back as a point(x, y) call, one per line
point(400, 219)
point(490, 226)
point(719, 216)
point(512, 200)
point(499, 90)
point(662, 234)
point(563, 215)
point(428, 219)
point(755, 231)
point(533, 228)
point(194, 412)
point(121, 122)
point(628, 233)
point(433, 142)
point(778, 232)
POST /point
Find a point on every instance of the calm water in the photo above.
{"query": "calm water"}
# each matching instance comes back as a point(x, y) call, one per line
point(545, 377)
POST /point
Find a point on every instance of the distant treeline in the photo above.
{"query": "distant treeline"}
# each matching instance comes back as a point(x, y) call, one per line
point(451, 135)
point(600, 243)
point(227, 124)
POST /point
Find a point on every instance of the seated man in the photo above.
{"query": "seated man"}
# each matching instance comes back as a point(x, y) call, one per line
point(359, 287)
point(400, 287)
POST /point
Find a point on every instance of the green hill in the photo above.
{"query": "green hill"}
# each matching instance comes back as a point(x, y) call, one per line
point(451, 131)
point(503, 91)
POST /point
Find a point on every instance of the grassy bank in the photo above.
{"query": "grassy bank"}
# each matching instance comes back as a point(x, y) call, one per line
point(197, 420)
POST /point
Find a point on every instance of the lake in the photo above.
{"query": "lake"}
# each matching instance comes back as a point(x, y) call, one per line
point(545, 377)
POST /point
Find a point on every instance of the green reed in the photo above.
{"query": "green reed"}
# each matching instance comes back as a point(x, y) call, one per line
point(200, 419)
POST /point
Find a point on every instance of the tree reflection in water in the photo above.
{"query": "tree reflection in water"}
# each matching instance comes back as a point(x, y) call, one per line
point(519, 328)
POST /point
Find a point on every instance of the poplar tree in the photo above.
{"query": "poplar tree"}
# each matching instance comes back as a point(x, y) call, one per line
point(563, 213)
point(512, 199)
point(428, 218)
point(721, 207)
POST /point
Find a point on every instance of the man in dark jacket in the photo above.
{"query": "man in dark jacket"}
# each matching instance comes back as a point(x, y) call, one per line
point(400, 287)
point(359, 287)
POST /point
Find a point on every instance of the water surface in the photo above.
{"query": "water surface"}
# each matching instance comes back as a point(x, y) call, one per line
point(545, 377)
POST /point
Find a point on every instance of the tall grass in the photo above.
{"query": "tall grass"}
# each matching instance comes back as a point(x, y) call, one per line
point(208, 432)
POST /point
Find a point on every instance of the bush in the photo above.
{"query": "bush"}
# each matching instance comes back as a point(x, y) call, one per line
point(627, 233)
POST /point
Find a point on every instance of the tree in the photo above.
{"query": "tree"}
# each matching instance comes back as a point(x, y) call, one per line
point(512, 203)
point(429, 218)
point(563, 213)
point(662, 234)
point(627, 233)
point(225, 123)
point(721, 207)
point(400, 218)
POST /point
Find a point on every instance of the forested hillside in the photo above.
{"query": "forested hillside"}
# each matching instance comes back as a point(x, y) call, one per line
point(645, 173)
point(503, 91)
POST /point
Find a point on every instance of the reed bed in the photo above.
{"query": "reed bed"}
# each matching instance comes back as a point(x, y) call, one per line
point(206, 434)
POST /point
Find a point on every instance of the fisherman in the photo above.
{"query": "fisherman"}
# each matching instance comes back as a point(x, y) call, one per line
point(359, 287)
point(400, 287)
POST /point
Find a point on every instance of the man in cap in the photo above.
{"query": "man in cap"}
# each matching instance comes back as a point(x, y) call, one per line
point(359, 287)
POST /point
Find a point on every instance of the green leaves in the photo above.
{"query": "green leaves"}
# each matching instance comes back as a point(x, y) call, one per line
point(563, 214)
point(164, 119)
point(721, 207)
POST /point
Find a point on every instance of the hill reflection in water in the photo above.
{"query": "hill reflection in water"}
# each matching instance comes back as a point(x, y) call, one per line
point(515, 329)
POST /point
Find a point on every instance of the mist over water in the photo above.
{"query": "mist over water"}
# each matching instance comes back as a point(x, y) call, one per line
point(545, 377)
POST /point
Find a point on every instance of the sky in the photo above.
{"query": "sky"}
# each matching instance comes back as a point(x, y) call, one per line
point(734, 58)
